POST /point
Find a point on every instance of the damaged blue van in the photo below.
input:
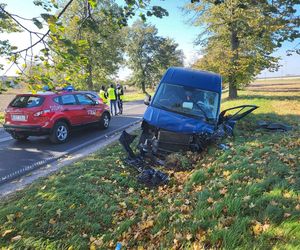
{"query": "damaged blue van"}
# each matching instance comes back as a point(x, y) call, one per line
point(184, 113)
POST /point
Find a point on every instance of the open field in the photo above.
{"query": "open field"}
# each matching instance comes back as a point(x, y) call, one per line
point(276, 85)
point(246, 197)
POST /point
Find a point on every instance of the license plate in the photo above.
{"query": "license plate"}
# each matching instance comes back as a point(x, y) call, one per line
point(19, 118)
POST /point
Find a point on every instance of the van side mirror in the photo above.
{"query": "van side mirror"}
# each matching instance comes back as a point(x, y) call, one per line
point(147, 99)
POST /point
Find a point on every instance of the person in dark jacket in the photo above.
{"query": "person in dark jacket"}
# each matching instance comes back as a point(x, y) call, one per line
point(120, 96)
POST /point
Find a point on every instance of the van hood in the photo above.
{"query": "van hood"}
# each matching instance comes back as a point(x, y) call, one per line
point(175, 122)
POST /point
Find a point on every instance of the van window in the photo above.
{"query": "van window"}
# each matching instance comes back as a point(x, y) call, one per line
point(27, 101)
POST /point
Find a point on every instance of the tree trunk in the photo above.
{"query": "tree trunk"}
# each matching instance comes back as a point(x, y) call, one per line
point(234, 61)
point(90, 77)
point(232, 91)
point(143, 87)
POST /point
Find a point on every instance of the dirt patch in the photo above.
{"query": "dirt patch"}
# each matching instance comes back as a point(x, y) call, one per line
point(5, 99)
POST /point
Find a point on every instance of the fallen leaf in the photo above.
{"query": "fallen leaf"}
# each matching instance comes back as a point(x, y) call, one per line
point(52, 221)
point(257, 228)
point(16, 238)
point(226, 173)
point(273, 203)
point(223, 191)
point(10, 217)
point(6, 232)
point(58, 212)
point(93, 246)
point(187, 202)
point(130, 190)
point(246, 198)
point(72, 206)
point(147, 224)
point(252, 205)
point(98, 242)
point(123, 204)
point(189, 236)
point(286, 215)
point(210, 200)
point(43, 187)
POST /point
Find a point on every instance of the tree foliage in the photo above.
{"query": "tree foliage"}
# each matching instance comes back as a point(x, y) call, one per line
point(82, 42)
point(239, 37)
point(149, 54)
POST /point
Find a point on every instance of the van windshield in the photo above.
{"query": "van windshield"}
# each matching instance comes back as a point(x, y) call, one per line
point(27, 101)
point(187, 101)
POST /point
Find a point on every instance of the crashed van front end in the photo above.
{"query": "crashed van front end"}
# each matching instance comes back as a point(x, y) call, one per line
point(184, 115)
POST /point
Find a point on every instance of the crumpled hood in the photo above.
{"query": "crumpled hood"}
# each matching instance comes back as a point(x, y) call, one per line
point(175, 122)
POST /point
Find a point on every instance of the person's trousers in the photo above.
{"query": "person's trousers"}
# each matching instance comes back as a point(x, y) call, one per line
point(113, 105)
point(120, 106)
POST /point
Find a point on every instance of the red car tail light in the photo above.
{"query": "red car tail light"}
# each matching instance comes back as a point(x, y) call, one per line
point(42, 113)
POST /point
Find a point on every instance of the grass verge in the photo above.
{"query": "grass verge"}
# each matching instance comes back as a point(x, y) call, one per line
point(246, 197)
point(1, 118)
point(135, 95)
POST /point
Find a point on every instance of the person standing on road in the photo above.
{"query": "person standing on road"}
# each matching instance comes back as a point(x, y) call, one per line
point(120, 96)
point(112, 96)
point(103, 94)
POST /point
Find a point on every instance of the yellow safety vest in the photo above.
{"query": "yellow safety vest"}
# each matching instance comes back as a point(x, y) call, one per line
point(119, 91)
point(102, 96)
point(111, 94)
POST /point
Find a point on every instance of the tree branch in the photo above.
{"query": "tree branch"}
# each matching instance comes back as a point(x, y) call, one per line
point(44, 35)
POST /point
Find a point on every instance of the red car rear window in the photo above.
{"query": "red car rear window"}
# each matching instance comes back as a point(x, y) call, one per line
point(27, 101)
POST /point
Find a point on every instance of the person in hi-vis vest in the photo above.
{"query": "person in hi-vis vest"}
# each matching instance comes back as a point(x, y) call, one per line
point(103, 94)
point(112, 96)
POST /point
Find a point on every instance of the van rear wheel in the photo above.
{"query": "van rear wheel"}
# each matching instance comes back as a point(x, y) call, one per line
point(59, 133)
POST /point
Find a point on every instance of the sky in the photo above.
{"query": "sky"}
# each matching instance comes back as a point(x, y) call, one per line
point(175, 26)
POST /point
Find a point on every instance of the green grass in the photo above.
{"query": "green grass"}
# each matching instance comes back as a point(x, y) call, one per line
point(246, 197)
point(135, 95)
point(1, 118)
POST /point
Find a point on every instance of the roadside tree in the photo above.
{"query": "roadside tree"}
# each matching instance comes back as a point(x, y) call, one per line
point(239, 37)
point(149, 55)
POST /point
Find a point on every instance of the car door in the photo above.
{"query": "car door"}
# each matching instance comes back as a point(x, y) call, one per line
point(89, 108)
point(71, 109)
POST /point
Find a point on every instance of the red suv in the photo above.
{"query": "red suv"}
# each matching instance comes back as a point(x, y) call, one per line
point(53, 114)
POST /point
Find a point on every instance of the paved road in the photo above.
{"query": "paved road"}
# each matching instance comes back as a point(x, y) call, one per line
point(18, 158)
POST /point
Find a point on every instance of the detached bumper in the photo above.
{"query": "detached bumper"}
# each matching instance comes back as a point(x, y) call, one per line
point(26, 130)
